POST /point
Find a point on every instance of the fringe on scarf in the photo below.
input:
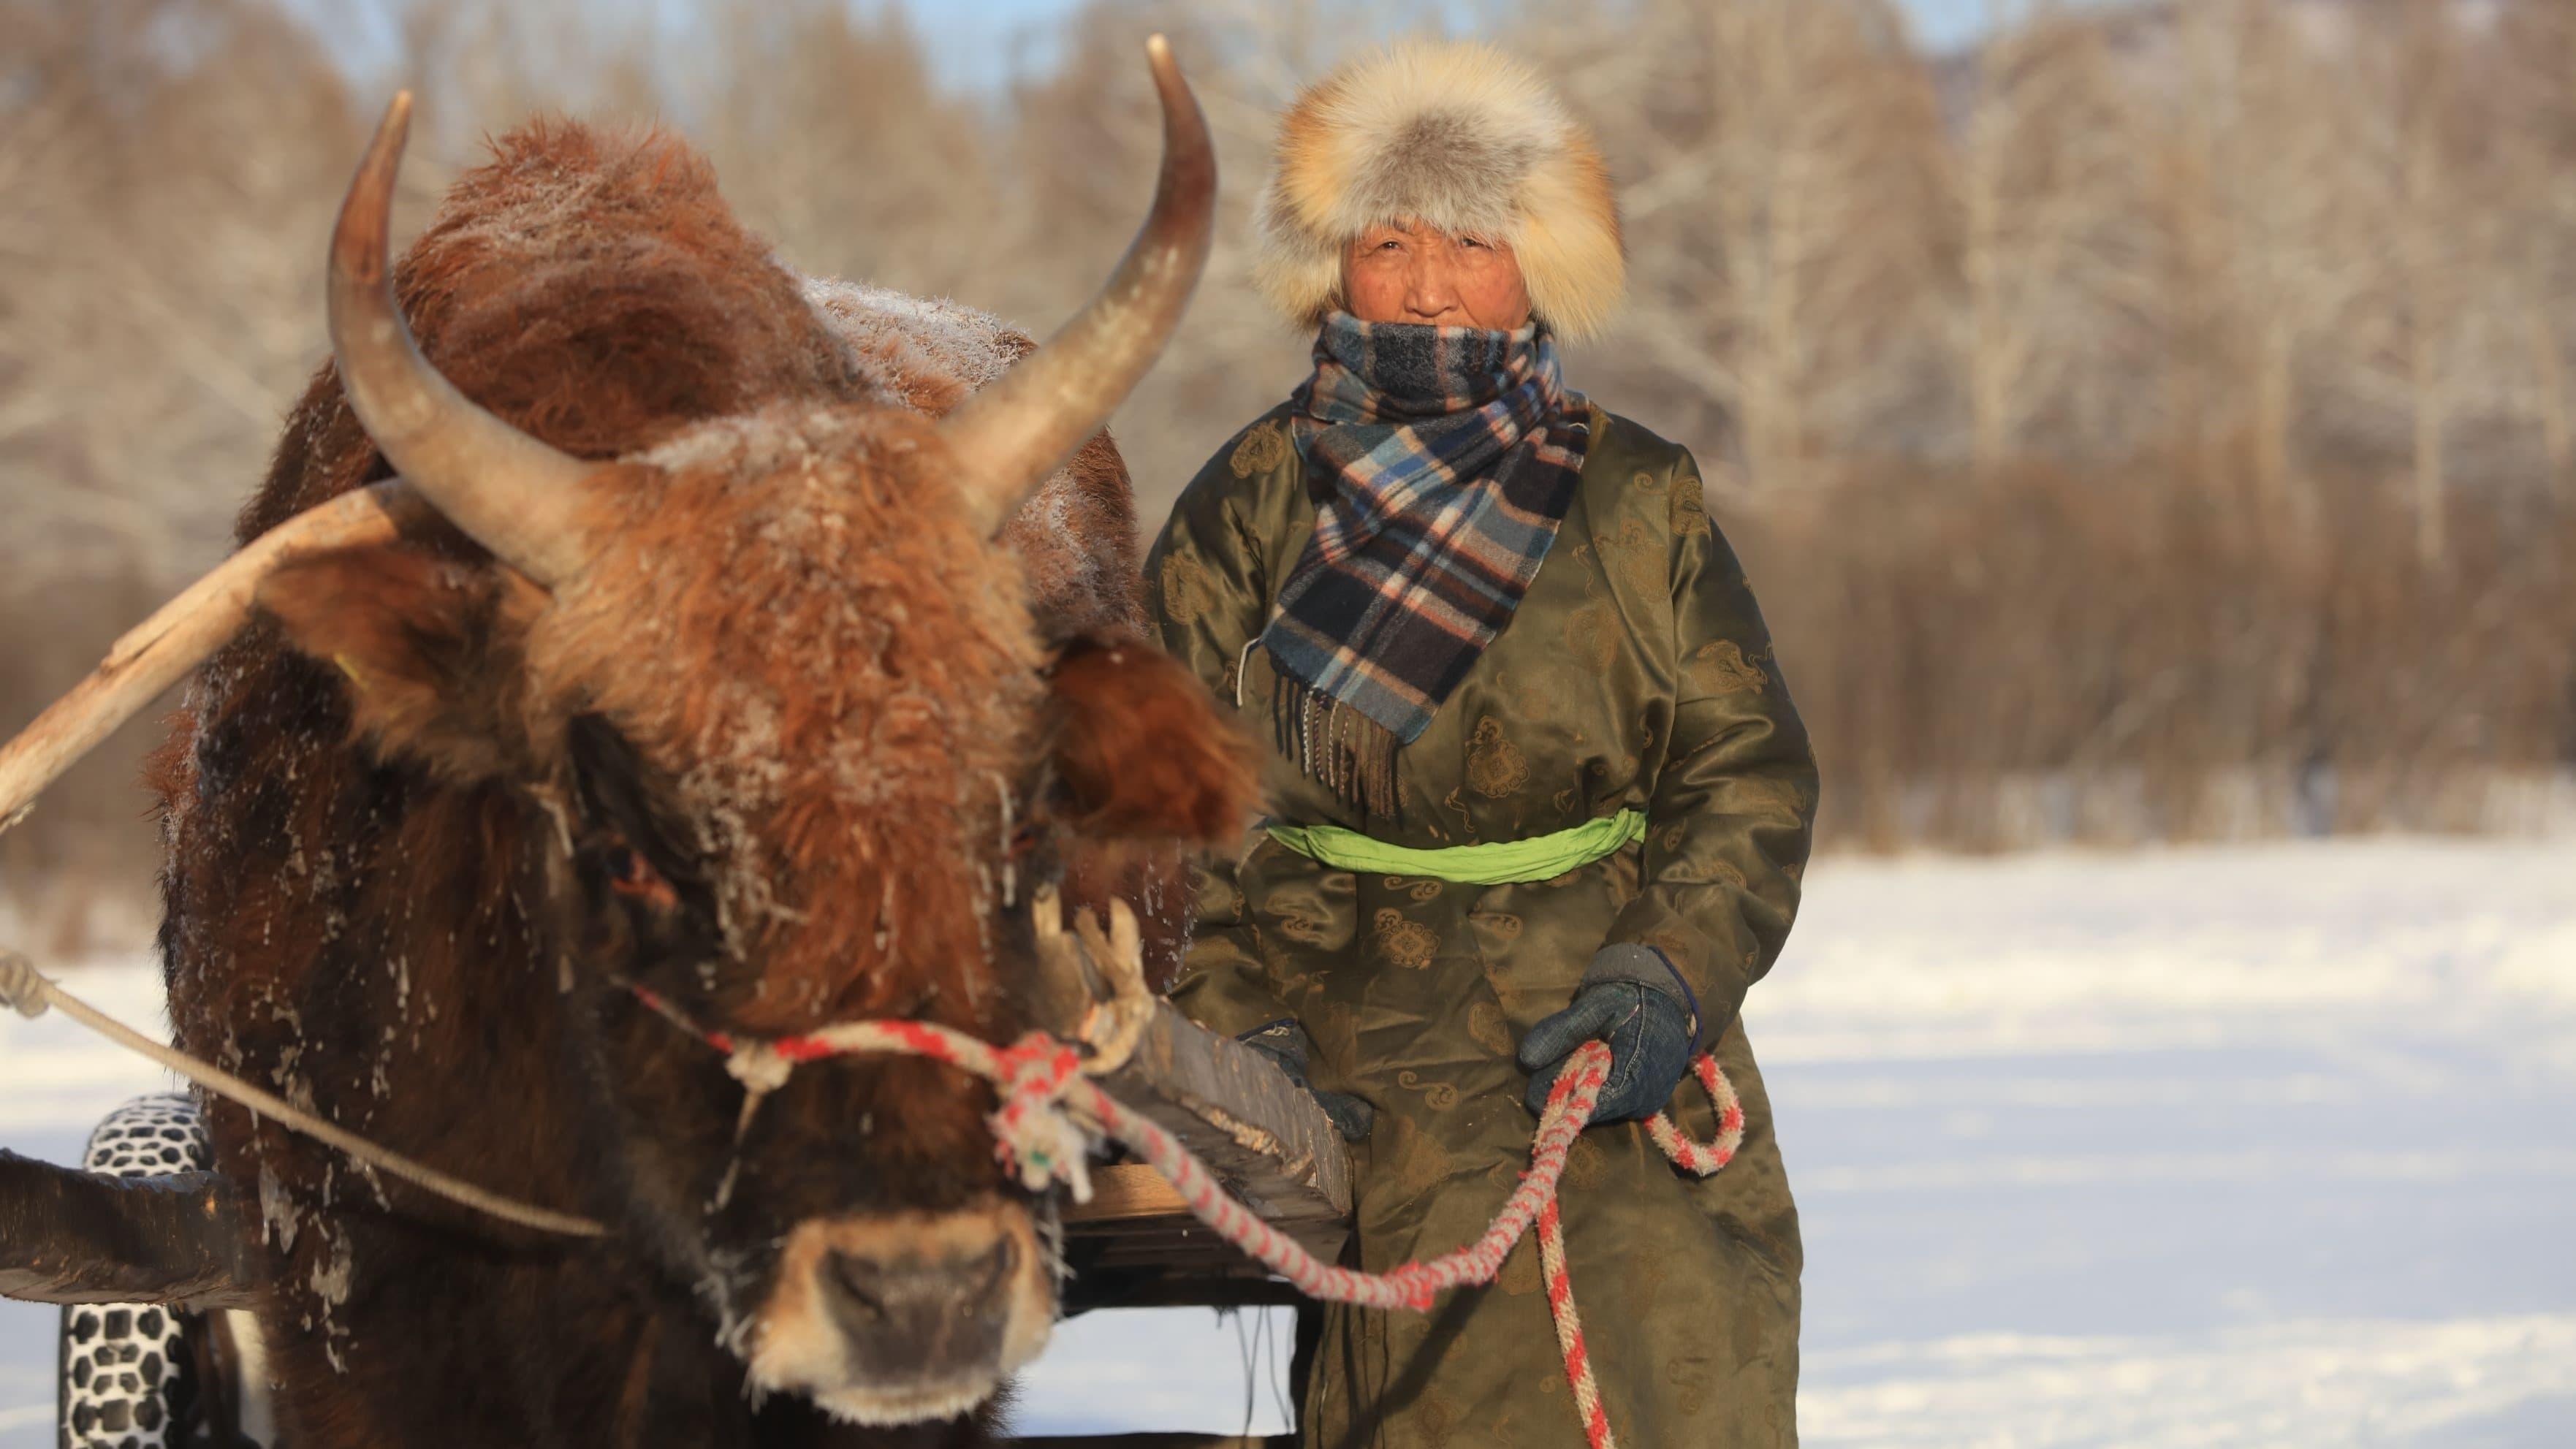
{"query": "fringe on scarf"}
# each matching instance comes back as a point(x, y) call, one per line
point(1335, 745)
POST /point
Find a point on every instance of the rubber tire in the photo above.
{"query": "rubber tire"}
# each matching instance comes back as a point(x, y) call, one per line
point(126, 1372)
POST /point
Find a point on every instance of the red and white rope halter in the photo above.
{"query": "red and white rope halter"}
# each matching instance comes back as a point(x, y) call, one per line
point(1050, 1111)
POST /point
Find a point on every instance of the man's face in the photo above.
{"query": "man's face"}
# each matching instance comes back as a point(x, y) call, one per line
point(1415, 273)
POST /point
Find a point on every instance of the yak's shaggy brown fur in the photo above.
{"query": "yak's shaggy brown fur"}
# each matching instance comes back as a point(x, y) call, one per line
point(795, 717)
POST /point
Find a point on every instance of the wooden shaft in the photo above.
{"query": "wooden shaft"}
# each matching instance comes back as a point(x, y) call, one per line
point(182, 634)
point(68, 1236)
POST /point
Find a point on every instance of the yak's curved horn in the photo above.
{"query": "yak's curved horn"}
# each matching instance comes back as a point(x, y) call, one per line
point(511, 493)
point(185, 632)
point(1009, 437)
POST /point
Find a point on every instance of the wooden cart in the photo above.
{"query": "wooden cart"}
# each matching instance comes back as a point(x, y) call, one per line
point(81, 1238)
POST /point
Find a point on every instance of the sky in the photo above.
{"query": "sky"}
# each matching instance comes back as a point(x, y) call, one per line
point(1939, 24)
point(977, 42)
point(958, 31)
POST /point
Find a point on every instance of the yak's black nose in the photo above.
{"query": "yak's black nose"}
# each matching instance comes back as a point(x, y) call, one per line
point(907, 1316)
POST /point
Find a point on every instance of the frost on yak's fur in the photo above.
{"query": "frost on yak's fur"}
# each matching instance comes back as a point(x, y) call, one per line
point(931, 354)
point(1075, 538)
point(782, 749)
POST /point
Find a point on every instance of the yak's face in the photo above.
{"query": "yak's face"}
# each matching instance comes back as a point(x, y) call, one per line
point(793, 755)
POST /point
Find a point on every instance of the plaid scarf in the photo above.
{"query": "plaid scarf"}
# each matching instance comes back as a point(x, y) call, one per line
point(1441, 460)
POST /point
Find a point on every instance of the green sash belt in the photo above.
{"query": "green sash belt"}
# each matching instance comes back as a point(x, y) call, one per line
point(1498, 862)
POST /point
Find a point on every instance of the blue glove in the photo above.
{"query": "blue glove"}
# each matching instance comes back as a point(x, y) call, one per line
point(1650, 1031)
point(1288, 1047)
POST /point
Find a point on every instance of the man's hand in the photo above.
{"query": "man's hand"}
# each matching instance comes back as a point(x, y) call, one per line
point(1650, 1036)
point(1288, 1047)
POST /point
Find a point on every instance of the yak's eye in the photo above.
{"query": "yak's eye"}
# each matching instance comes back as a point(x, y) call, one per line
point(632, 876)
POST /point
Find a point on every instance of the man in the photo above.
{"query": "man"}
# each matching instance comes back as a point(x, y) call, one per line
point(1539, 780)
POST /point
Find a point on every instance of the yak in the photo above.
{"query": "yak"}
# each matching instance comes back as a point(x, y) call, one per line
point(758, 653)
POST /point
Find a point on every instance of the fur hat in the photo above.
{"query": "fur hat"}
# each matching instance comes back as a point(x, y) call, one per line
point(1457, 136)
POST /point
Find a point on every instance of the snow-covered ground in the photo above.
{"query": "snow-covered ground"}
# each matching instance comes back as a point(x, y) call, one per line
point(2246, 1146)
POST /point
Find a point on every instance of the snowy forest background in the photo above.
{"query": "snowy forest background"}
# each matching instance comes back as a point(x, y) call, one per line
point(2155, 424)
point(2149, 428)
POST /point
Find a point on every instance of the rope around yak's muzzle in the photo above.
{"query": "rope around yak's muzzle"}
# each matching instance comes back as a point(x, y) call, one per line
point(1050, 1114)
point(1046, 1092)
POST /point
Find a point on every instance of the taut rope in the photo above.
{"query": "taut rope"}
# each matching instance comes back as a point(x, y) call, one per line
point(29, 992)
point(1050, 1112)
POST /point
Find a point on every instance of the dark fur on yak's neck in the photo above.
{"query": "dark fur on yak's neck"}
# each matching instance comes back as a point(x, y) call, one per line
point(369, 912)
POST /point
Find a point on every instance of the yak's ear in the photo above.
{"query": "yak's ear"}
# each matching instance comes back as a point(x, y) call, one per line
point(431, 651)
point(1143, 751)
